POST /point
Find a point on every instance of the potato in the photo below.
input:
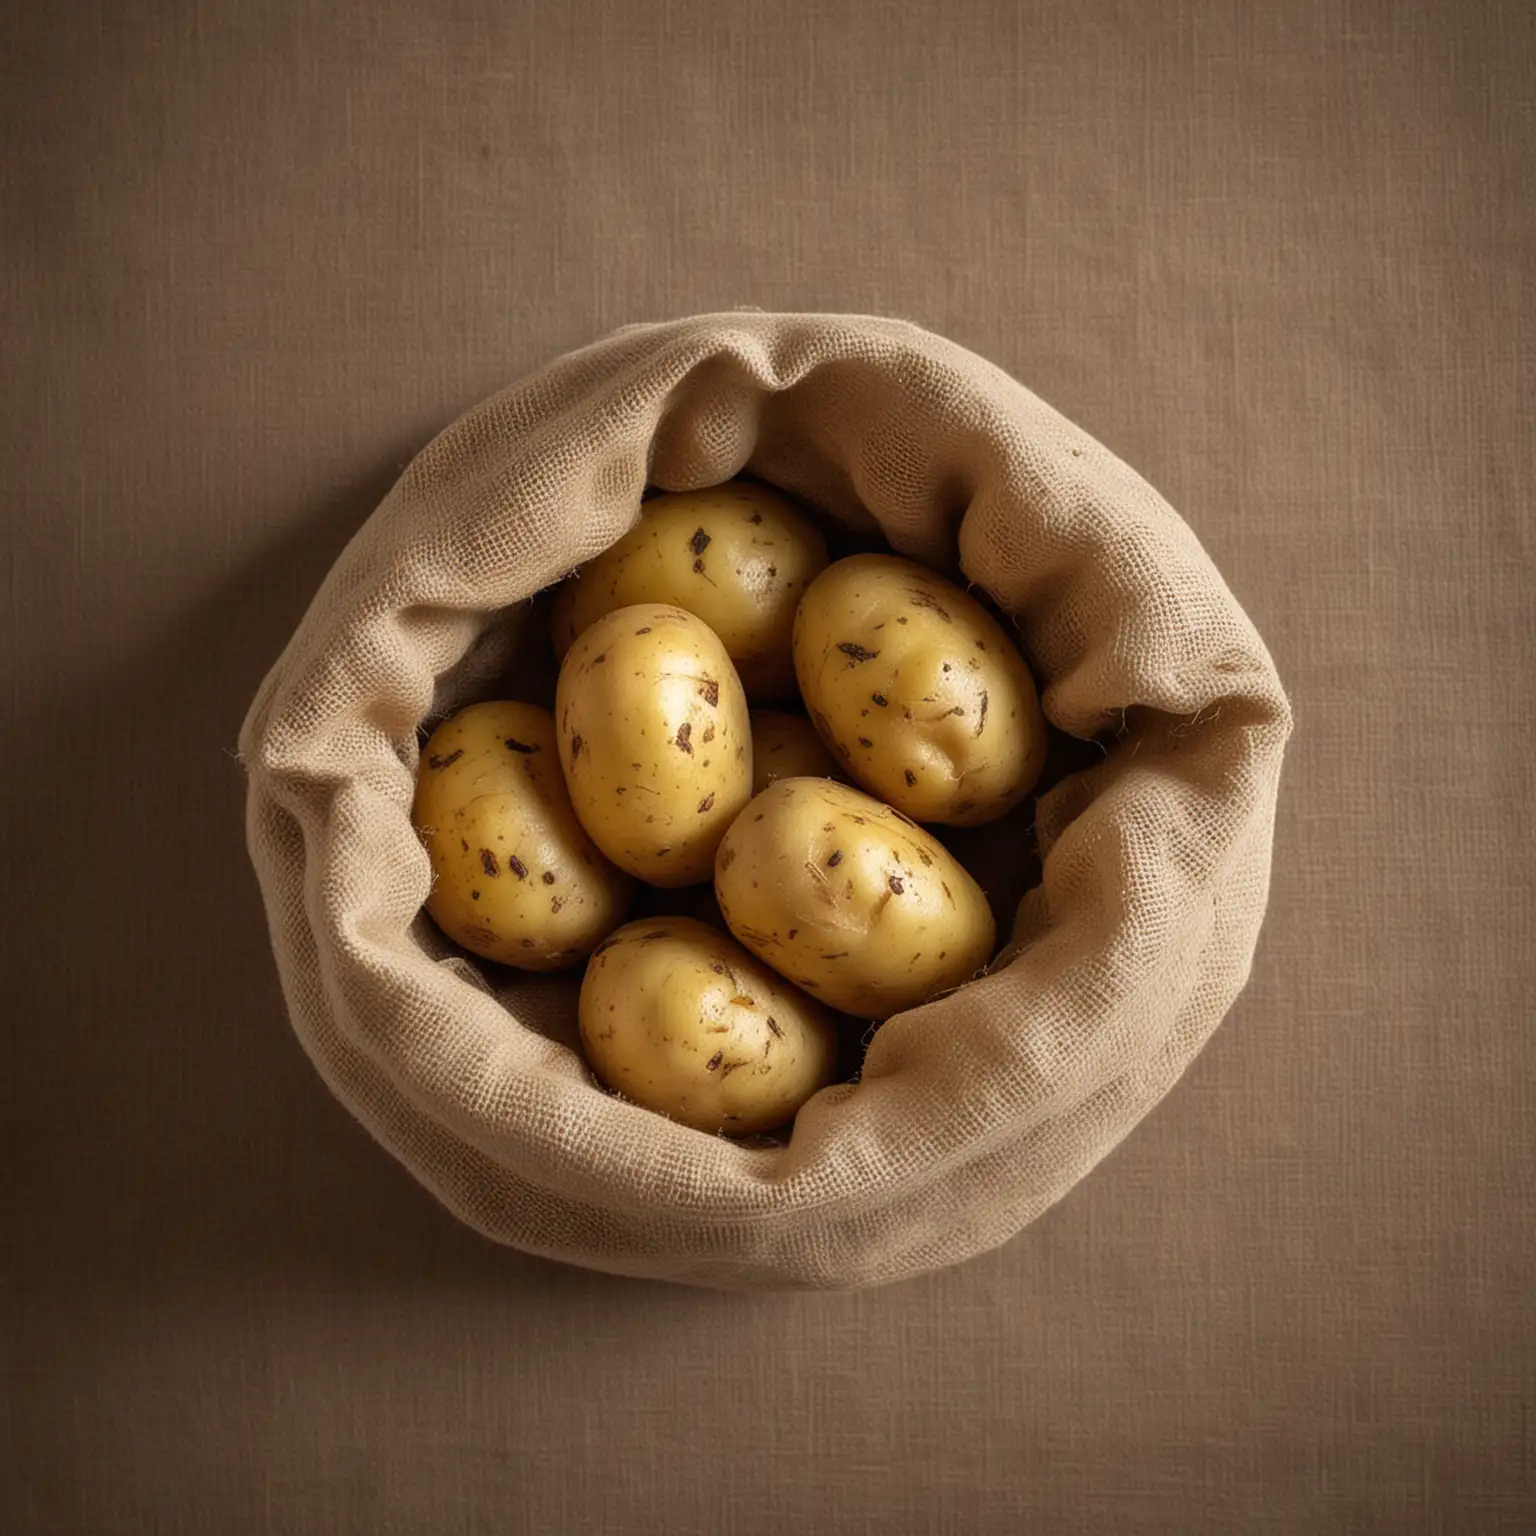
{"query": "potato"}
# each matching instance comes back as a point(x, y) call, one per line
point(654, 740)
point(849, 899)
point(681, 1019)
point(787, 747)
point(918, 690)
point(515, 878)
point(738, 555)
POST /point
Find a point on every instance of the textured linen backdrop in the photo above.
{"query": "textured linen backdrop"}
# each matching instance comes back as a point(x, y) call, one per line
point(1278, 258)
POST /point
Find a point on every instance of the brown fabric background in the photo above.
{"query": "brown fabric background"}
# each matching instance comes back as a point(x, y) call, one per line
point(1278, 257)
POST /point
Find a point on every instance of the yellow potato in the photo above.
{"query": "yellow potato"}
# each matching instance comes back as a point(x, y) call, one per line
point(515, 878)
point(738, 555)
point(849, 899)
point(681, 1019)
point(918, 690)
point(787, 747)
point(655, 741)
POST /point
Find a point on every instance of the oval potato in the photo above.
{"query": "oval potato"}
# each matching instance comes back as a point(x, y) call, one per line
point(737, 555)
point(515, 878)
point(918, 690)
point(681, 1019)
point(787, 747)
point(655, 741)
point(850, 900)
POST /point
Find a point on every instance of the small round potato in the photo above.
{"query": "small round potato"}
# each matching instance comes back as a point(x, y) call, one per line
point(918, 690)
point(515, 878)
point(738, 555)
point(681, 1019)
point(787, 747)
point(849, 899)
point(655, 741)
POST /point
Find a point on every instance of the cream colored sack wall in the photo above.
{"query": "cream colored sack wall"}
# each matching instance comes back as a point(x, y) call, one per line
point(973, 1113)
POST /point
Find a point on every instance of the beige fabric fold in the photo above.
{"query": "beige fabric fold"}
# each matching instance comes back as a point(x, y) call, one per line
point(973, 1114)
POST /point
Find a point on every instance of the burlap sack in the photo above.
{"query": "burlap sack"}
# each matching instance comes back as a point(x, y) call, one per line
point(973, 1113)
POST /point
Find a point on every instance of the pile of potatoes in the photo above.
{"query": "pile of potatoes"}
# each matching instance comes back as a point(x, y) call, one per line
point(664, 763)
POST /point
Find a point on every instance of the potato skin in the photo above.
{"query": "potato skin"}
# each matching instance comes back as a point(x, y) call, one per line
point(787, 747)
point(681, 1019)
point(737, 555)
point(515, 878)
point(850, 900)
point(654, 740)
point(918, 690)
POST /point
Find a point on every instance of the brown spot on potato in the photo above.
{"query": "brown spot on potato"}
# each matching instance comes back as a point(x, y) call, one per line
point(756, 517)
point(548, 877)
point(742, 1001)
point(517, 866)
point(709, 732)
point(727, 856)
point(525, 747)
point(442, 762)
point(880, 699)
point(922, 853)
point(714, 1061)
point(644, 629)
point(910, 777)
point(575, 748)
point(773, 1024)
point(835, 859)
point(944, 886)
point(856, 653)
point(982, 722)
point(864, 741)
point(685, 737)
point(896, 886)
point(474, 895)
point(527, 943)
point(841, 954)
point(706, 804)
point(488, 862)
point(699, 542)
point(477, 933)
point(556, 902)
point(710, 690)
point(597, 661)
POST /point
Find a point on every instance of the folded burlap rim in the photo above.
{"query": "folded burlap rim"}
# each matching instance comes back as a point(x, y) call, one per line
point(973, 1113)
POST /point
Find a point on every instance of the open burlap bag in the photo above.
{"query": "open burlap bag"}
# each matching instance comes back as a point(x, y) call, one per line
point(973, 1113)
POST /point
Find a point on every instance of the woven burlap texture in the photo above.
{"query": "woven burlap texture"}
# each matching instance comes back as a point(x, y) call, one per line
point(974, 1113)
